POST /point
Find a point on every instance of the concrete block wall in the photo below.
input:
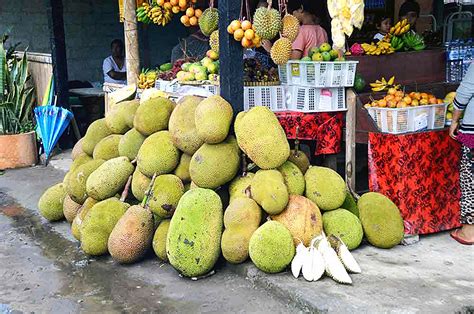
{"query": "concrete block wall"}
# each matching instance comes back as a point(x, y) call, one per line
point(90, 26)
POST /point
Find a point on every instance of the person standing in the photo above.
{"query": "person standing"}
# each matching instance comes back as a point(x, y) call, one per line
point(113, 67)
point(464, 133)
point(410, 10)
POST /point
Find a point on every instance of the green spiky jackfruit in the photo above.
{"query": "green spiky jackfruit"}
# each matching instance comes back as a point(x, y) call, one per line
point(167, 192)
point(130, 144)
point(107, 148)
point(77, 149)
point(261, 137)
point(182, 126)
point(213, 118)
point(95, 132)
point(116, 119)
point(98, 223)
point(159, 239)
point(140, 183)
point(132, 235)
point(194, 234)
point(325, 187)
point(77, 222)
point(294, 178)
point(350, 204)
point(268, 189)
point(345, 225)
point(300, 159)
point(381, 220)
point(76, 184)
point(271, 247)
point(238, 187)
point(182, 170)
point(157, 155)
point(70, 208)
point(209, 21)
point(80, 159)
point(214, 165)
point(109, 178)
point(267, 22)
point(50, 204)
point(153, 115)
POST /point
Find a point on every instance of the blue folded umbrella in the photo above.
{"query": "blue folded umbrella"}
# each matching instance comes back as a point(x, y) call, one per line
point(51, 122)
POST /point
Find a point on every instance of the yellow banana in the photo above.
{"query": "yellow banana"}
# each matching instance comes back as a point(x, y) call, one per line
point(391, 80)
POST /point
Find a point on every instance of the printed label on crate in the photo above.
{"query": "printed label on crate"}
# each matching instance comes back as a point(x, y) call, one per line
point(325, 100)
point(421, 122)
point(295, 70)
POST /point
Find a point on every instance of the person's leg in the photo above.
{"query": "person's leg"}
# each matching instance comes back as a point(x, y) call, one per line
point(466, 177)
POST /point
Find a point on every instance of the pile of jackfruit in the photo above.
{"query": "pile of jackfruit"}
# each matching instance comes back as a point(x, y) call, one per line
point(191, 183)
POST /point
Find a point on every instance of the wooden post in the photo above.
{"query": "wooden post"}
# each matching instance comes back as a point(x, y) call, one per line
point(351, 101)
point(230, 55)
point(132, 56)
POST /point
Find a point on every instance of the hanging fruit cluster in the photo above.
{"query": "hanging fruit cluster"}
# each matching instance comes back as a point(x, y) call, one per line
point(147, 79)
point(175, 6)
point(154, 14)
point(191, 17)
point(244, 32)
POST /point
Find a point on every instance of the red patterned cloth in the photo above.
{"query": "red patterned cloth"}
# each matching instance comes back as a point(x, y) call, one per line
point(323, 127)
point(420, 173)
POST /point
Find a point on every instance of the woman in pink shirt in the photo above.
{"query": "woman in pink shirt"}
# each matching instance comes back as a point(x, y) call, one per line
point(310, 34)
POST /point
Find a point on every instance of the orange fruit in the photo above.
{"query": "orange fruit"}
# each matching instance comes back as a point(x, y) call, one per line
point(174, 2)
point(193, 21)
point(246, 43)
point(389, 97)
point(160, 2)
point(239, 34)
point(423, 102)
point(246, 25)
point(401, 104)
point(392, 91)
point(407, 100)
point(182, 4)
point(167, 6)
point(235, 24)
point(424, 95)
point(382, 103)
point(230, 30)
point(391, 104)
point(397, 99)
point(415, 102)
point(399, 93)
point(198, 13)
point(184, 19)
point(175, 9)
point(412, 94)
point(249, 34)
point(440, 101)
point(190, 12)
point(257, 42)
point(433, 100)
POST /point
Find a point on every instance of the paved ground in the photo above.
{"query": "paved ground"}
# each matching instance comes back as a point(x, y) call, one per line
point(43, 270)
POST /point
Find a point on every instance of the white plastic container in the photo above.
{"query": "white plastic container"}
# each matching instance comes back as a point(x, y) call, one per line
point(312, 99)
point(272, 97)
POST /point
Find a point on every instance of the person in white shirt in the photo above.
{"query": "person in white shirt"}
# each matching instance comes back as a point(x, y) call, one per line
point(113, 67)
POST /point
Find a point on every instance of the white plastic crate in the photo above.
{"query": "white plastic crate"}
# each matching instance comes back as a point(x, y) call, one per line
point(167, 86)
point(312, 99)
point(318, 74)
point(410, 119)
point(272, 97)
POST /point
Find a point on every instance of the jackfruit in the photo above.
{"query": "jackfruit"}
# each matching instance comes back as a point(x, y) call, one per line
point(238, 187)
point(182, 170)
point(300, 159)
point(350, 204)
point(325, 187)
point(109, 178)
point(98, 223)
point(302, 218)
point(290, 27)
point(130, 143)
point(157, 155)
point(116, 119)
point(77, 149)
point(271, 247)
point(140, 183)
point(269, 191)
point(81, 159)
point(182, 125)
point(159, 239)
point(267, 23)
point(167, 191)
point(76, 185)
point(70, 208)
point(153, 115)
point(132, 235)
point(381, 220)
point(194, 234)
point(107, 148)
point(241, 218)
point(214, 41)
point(294, 178)
point(261, 137)
point(50, 204)
point(77, 222)
point(95, 132)
point(214, 165)
point(345, 225)
point(209, 21)
point(281, 51)
point(213, 118)
point(128, 110)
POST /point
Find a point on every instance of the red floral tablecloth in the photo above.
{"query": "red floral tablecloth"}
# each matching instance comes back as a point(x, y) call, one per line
point(323, 127)
point(419, 172)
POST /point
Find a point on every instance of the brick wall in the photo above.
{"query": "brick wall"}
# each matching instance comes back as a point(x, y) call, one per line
point(90, 26)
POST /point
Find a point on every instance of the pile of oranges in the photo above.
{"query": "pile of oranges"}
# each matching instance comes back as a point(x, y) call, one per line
point(175, 6)
point(244, 32)
point(191, 17)
point(398, 99)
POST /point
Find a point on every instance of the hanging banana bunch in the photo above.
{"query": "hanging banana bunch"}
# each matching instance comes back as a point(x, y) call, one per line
point(159, 15)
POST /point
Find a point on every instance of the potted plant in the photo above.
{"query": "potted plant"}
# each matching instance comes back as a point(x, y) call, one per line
point(17, 136)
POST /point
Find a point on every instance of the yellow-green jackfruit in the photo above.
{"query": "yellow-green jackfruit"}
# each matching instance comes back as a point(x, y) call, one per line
point(271, 247)
point(350, 204)
point(213, 119)
point(77, 149)
point(132, 235)
point(107, 148)
point(80, 159)
point(157, 155)
point(76, 184)
point(153, 115)
point(345, 225)
point(182, 127)
point(194, 235)
point(238, 187)
point(182, 170)
point(294, 178)
point(109, 178)
point(268, 189)
point(300, 159)
point(50, 204)
point(96, 131)
point(70, 208)
point(167, 191)
point(130, 144)
point(140, 183)
point(261, 137)
point(214, 165)
point(98, 223)
point(325, 187)
point(159, 239)
point(77, 222)
point(116, 119)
